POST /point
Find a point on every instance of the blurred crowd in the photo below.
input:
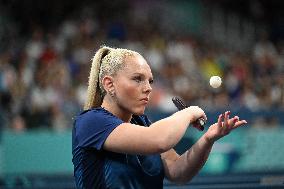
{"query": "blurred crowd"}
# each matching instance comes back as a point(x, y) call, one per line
point(43, 75)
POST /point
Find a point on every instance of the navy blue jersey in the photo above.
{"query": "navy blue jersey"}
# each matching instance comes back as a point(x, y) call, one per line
point(97, 168)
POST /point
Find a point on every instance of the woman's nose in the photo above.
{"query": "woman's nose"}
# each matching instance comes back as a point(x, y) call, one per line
point(147, 87)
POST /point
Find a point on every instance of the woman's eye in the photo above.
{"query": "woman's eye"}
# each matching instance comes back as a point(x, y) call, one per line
point(151, 81)
point(138, 79)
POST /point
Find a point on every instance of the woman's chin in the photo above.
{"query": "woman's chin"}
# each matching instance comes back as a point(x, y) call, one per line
point(139, 111)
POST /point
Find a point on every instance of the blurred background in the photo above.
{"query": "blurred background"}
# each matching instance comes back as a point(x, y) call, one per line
point(45, 55)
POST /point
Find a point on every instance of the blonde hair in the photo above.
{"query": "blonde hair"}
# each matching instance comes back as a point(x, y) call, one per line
point(107, 61)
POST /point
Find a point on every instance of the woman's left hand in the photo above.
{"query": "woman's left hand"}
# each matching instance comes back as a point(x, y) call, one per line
point(223, 127)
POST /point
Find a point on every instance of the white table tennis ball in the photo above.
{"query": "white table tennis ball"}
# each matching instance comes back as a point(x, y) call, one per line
point(215, 81)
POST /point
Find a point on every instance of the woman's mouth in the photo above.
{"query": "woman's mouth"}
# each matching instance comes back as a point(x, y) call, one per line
point(145, 100)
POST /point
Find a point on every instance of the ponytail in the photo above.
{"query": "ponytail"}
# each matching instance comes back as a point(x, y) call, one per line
point(94, 95)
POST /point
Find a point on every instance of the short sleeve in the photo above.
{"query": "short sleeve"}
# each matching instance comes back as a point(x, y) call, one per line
point(94, 126)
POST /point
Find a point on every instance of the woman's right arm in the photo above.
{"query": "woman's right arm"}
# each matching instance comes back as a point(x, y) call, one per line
point(159, 137)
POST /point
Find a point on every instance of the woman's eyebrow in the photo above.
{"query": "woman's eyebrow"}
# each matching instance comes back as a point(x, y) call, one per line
point(141, 74)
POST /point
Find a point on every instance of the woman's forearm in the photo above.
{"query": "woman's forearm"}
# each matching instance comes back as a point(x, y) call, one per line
point(189, 163)
point(169, 131)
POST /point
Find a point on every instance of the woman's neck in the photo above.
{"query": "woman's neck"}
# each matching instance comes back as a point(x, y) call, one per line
point(117, 111)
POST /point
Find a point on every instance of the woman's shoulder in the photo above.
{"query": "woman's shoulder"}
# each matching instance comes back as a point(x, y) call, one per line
point(95, 113)
point(96, 116)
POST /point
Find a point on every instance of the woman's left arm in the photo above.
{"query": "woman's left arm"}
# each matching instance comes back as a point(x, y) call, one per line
point(183, 168)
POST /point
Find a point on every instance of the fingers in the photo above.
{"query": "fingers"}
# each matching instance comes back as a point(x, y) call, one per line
point(198, 126)
point(220, 120)
point(239, 123)
point(205, 117)
point(230, 123)
point(197, 113)
point(226, 119)
point(233, 121)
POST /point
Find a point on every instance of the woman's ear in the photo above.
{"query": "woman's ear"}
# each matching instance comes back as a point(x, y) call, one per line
point(107, 83)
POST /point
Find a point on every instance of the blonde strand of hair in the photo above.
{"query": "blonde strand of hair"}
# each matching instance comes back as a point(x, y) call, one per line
point(94, 98)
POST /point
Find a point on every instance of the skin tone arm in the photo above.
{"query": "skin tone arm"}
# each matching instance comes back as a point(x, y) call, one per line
point(182, 168)
point(160, 137)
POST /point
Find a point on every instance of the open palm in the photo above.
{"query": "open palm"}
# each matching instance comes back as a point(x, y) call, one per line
point(224, 126)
